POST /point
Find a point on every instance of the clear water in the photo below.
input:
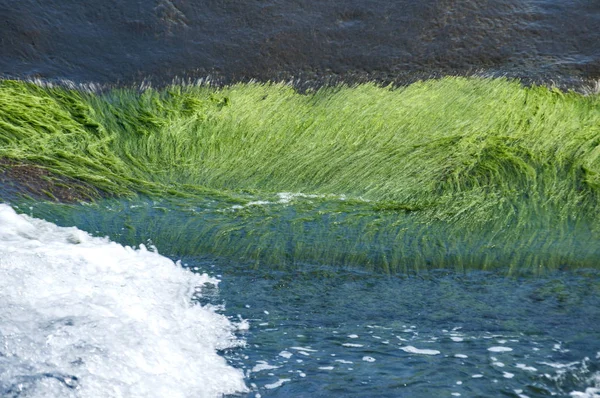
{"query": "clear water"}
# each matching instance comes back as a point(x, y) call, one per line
point(354, 334)
point(324, 331)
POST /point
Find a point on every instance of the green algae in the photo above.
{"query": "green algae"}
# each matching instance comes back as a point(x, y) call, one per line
point(457, 172)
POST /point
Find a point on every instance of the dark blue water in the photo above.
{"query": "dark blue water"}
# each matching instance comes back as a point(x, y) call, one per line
point(307, 42)
point(346, 333)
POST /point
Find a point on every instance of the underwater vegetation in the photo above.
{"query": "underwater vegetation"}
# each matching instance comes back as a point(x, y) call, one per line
point(456, 172)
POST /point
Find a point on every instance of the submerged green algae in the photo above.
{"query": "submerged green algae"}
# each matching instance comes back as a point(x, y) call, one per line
point(443, 173)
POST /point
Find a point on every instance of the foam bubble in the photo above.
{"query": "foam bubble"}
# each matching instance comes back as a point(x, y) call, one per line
point(303, 349)
point(559, 365)
point(86, 313)
point(285, 354)
point(520, 394)
point(525, 367)
point(277, 384)
point(590, 392)
point(263, 365)
point(413, 350)
point(500, 349)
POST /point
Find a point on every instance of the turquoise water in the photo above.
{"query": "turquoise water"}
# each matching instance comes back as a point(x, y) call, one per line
point(322, 330)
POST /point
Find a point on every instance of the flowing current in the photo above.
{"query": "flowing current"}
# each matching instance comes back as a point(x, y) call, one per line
point(84, 316)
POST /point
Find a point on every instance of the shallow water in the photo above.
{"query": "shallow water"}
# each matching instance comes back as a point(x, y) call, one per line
point(330, 331)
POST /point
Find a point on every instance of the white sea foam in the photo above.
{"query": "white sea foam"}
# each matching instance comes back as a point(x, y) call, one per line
point(413, 350)
point(287, 197)
point(263, 365)
point(500, 349)
point(520, 394)
point(285, 354)
point(258, 203)
point(303, 349)
point(590, 392)
point(277, 384)
point(525, 367)
point(86, 317)
point(560, 365)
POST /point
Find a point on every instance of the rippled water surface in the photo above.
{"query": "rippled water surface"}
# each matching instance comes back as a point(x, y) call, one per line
point(83, 316)
point(474, 334)
point(128, 41)
point(324, 331)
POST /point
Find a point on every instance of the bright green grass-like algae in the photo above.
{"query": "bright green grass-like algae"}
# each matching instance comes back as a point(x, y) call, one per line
point(456, 172)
